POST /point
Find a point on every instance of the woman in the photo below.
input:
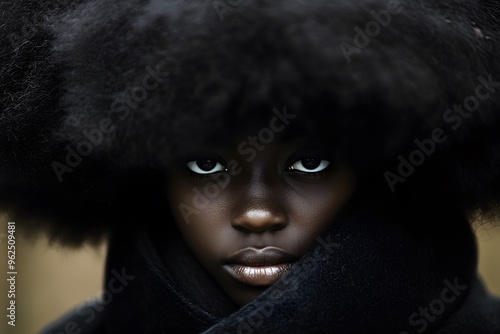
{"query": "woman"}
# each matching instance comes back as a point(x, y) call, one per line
point(260, 167)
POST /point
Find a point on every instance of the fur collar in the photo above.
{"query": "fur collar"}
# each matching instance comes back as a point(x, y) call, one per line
point(366, 275)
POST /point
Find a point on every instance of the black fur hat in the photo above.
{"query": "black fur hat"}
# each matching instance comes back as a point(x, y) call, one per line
point(99, 97)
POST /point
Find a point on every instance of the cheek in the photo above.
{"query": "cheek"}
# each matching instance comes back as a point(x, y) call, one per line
point(313, 207)
point(201, 220)
point(313, 214)
point(188, 201)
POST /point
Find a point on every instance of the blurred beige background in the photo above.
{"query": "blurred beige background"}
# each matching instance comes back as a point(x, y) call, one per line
point(51, 281)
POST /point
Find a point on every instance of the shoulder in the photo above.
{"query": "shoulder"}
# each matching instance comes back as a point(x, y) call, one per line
point(87, 318)
point(480, 313)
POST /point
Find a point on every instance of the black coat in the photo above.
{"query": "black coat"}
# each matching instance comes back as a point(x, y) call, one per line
point(368, 275)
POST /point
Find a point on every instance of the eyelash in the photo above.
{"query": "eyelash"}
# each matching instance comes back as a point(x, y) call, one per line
point(203, 177)
point(331, 168)
point(311, 175)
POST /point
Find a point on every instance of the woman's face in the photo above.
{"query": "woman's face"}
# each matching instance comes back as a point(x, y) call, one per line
point(248, 212)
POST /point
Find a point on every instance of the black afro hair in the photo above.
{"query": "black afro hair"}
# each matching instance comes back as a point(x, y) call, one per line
point(100, 97)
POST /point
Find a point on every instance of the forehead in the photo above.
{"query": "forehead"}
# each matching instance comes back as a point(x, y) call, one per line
point(261, 138)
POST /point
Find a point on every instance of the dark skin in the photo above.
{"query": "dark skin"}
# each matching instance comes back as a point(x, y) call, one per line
point(285, 196)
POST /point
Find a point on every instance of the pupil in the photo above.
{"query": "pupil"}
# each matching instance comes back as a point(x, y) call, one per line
point(311, 163)
point(206, 165)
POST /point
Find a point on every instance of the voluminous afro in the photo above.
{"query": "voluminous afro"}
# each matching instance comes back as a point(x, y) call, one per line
point(100, 97)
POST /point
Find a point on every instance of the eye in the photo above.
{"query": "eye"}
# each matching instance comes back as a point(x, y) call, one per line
point(310, 165)
point(206, 166)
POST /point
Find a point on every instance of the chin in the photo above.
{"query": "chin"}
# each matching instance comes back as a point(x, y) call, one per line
point(246, 294)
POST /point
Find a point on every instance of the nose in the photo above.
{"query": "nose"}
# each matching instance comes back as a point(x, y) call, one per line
point(260, 210)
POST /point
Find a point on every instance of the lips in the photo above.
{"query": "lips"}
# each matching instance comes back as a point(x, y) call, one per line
point(259, 267)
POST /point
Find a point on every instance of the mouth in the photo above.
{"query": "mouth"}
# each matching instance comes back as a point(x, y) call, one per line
point(259, 267)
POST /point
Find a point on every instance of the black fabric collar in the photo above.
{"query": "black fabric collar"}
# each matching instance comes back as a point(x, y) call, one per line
point(367, 274)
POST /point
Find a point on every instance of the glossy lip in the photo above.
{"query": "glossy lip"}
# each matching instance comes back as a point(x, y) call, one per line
point(259, 267)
